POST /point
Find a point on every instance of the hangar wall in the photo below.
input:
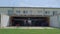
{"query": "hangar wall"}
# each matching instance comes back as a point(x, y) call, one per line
point(4, 20)
point(30, 11)
point(54, 22)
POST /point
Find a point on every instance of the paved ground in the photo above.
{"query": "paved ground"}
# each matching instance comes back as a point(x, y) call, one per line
point(28, 28)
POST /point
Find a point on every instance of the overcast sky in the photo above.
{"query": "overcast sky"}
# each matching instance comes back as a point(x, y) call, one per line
point(30, 3)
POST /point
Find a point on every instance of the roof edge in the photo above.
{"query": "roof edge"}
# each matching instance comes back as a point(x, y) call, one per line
point(32, 7)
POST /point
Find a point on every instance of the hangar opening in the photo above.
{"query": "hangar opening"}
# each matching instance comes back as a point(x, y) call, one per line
point(29, 21)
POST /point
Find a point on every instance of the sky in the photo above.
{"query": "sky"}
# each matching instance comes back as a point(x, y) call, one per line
point(29, 3)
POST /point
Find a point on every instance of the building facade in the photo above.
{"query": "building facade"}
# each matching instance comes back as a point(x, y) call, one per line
point(51, 15)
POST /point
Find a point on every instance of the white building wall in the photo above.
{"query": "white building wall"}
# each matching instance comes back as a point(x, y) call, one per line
point(5, 10)
point(4, 20)
point(54, 21)
point(34, 11)
point(51, 11)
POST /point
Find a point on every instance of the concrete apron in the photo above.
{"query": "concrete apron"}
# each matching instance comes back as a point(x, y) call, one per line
point(27, 28)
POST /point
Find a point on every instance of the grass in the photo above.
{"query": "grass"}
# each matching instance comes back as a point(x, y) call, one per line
point(29, 31)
